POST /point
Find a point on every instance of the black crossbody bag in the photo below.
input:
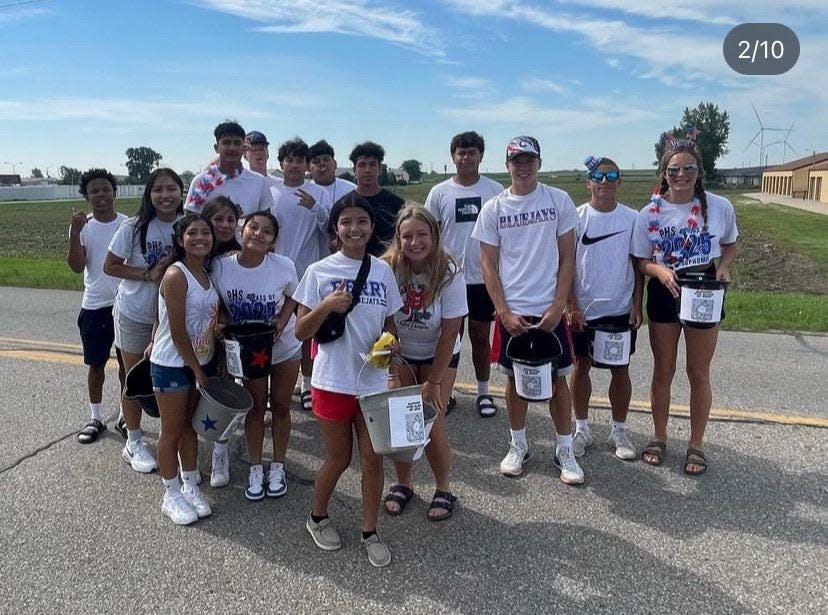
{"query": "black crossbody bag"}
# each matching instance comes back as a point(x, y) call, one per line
point(333, 327)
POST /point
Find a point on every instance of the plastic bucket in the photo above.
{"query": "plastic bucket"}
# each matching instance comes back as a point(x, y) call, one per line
point(138, 386)
point(700, 301)
point(249, 349)
point(535, 356)
point(398, 421)
point(609, 345)
point(222, 405)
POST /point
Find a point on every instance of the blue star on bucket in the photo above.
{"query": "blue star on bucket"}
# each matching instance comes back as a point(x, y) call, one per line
point(208, 423)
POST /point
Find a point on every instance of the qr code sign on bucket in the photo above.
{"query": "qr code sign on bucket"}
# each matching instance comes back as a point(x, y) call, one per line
point(613, 351)
point(702, 309)
point(233, 352)
point(532, 385)
point(414, 427)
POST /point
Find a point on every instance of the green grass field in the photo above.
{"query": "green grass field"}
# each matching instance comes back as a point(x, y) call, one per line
point(780, 278)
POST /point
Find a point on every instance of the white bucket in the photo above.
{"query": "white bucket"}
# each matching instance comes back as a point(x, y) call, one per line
point(398, 421)
point(610, 346)
point(222, 406)
point(533, 382)
point(534, 366)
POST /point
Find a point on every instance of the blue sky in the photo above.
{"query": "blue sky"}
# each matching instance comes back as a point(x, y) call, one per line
point(81, 81)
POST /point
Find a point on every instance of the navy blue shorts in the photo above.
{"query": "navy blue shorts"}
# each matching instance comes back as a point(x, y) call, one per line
point(453, 363)
point(480, 304)
point(97, 333)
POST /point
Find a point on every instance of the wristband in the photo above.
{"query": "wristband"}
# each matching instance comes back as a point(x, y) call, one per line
point(146, 276)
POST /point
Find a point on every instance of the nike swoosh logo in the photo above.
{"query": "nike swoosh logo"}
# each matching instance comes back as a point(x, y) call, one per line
point(587, 240)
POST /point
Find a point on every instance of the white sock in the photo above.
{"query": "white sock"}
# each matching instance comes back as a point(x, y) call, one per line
point(306, 383)
point(519, 437)
point(95, 410)
point(482, 387)
point(618, 425)
point(120, 412)
point(190, 478)
point(134, 436)
point(564, 441)
point(582, 424)
point(221, 447)
point(171, 486)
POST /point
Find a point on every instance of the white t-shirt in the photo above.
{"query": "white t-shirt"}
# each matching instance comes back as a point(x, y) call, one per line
point(249, 190)
point(681, 245)
point(456, 208)
point(338, 366)
point(200, 316)
point(98, 288)
point(259, 293)
point(336, 190)
point(136, 299)
point(301, 230)
point(604, 274)
point(418, 325)
point(525, 229)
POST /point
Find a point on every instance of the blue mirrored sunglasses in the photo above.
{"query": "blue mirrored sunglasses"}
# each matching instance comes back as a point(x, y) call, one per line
point(599, 176)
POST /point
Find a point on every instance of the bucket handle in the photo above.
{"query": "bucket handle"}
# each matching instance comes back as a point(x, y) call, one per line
point(537, 326)
point(398, 358)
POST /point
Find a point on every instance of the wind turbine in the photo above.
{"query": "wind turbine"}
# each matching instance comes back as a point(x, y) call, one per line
point(761, 135)
point(785, 144)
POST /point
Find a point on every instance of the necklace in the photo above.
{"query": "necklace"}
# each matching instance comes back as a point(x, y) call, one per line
point(676, 256)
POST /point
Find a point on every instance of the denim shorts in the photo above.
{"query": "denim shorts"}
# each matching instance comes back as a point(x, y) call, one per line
point(171, 379)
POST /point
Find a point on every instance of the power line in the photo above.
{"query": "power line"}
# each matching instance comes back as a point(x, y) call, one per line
point(21, 3)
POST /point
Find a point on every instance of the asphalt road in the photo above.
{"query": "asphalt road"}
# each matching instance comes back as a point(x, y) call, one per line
point(81, 533)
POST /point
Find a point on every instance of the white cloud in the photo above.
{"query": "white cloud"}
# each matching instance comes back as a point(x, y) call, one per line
point(534, 84)
point(14, 14)
point(367, 18)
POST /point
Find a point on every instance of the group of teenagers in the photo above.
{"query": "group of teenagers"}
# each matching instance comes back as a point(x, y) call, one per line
point(245, 246)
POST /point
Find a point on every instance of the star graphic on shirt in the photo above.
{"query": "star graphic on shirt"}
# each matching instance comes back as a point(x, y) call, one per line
point(259, 358)
point(208, 423)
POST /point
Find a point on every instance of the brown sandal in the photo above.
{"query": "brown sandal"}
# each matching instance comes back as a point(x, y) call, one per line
point(695, 457)
point(656, 451)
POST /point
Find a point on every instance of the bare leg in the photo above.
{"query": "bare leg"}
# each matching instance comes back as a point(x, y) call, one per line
point(620, 393)
point(581, 385)
point(700, 346)
point(664, 345)
point(188, 442)
point(174, 416)
point(373, 477)
point(479, 333)
point(132, 411)
point(338, 439)
point(95, 377)
point(560, 407)
point(254, 421)
point(282, 379)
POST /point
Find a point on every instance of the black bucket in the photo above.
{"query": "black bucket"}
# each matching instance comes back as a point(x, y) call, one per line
point(139, 387)
point(615, 351)
point(535, 355)
point(249, 349)
point(701, 301)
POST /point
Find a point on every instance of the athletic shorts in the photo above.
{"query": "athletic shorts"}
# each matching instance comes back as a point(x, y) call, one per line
point(481, 307)
point(561, 332)
point(581, 339)
point(130, 335)
point(331, 406)
point(171, 379)
point(97, 332)
point(662, 307)
point(455, 361)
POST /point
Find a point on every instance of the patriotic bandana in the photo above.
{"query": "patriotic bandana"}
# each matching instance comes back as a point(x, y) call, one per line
point(671, 142)
point(591, 163)
point(207, 182)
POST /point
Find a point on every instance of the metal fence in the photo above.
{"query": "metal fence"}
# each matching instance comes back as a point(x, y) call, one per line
point(54, 192)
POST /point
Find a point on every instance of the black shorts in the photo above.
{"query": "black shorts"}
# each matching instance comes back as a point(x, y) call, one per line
point(97, 333)
point(453, 363)
point(561, 332)
point(662, 307)
point(581, 339)
point(481, 307)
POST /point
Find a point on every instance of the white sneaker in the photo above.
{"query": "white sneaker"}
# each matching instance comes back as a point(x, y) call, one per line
point(178, 509)
point(139, 457)
point(220, 474)
point(582, 440)
point(621, 439)
point(571, 472)
point(196, 500)
point(255, 484)
point(181, 471)
point(512, 464)
point(276, 481)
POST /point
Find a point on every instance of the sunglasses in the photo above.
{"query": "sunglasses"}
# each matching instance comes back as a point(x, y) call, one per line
point(689, 169)
point(599, 176)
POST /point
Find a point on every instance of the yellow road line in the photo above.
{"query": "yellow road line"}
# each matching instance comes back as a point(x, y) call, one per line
point(683, 410)
point(39, 343)
point(59, 355)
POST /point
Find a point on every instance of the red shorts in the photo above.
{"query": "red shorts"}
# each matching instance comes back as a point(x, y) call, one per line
point(330, 406)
